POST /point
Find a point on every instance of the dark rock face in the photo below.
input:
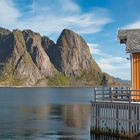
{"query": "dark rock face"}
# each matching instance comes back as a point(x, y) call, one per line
point(52, 51)
point(71, 55)
point(40, 58)
point(23, 59)
point(16, 63)
point(46, 43)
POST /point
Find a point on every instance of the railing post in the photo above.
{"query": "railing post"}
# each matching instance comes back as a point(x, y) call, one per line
point(95, 94)
point(92, 116)
point(130, 121)
point(111, 94)
point(122, 93)
point(130, 96)
point(103, 94)
point(117, 118)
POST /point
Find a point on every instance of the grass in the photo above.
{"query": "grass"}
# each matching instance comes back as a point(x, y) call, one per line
point(90, 77)
point(11, 82)
point(59, 80)
point(7, 77)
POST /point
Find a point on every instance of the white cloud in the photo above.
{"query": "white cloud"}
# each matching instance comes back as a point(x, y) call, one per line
point(113, 65)
point(8, 13)
point(69, 5)
point(54, 7)
point(116, 66)
point(94, 51)
point(93, 48)
point(111, 59)
point(52, 16)
point(134, 25)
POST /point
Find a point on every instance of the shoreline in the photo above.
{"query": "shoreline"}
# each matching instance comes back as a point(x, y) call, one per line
point(57, 86)
point(48, 86)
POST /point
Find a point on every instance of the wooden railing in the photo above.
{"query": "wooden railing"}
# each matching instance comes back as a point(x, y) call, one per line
point(116, 94)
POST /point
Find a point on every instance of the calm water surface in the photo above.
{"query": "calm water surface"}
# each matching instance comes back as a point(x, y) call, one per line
point(46, 114)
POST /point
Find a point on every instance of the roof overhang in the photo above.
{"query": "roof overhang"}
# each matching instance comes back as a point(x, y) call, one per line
point(131, 38)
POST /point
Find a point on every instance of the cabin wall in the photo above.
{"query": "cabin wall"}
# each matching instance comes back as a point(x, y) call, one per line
point(136, 73)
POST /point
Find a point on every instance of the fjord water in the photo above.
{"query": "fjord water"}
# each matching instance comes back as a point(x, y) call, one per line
point(45, 113)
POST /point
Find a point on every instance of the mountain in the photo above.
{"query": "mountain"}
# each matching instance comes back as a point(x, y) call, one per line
point(29, 59)
point(108, 80)
point(4, 31)
point(34, 47)
point(71, 56)
point(22, 58)
point(127, 82)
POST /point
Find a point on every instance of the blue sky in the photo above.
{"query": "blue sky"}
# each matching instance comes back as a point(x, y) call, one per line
point(96, 20)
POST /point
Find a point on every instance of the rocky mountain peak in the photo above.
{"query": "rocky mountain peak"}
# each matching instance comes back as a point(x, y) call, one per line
point(39, 56)
point(71, 39)
point(30, 33)
point(74, 55)
point(4, 31)
point(17, 68)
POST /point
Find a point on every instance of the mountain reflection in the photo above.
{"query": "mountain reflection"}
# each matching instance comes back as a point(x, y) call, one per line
point(37, 110)
point(30, 121)
point(62, 120)
point(76, 115)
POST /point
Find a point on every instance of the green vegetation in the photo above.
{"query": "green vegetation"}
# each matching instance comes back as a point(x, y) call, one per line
point(59, 80)
point(11, 82)
point(90, 78)
point(41, 82)
point(7, 77)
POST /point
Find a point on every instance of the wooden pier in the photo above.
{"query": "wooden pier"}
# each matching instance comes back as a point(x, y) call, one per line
point(115, 111)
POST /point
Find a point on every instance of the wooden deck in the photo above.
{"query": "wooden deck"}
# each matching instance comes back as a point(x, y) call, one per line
point(115, 112)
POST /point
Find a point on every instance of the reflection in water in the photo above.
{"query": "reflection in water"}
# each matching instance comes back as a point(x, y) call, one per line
point(41, 112)
point(76, 115)
point(60, 121)
point(31, 121)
